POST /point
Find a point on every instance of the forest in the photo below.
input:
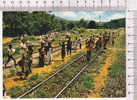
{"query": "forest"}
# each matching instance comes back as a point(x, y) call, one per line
point(38, 23)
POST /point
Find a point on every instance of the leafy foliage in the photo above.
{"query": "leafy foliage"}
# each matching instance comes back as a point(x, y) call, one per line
point(87, 81)
point(37, 23)
point(12, 91)
point(34, 77)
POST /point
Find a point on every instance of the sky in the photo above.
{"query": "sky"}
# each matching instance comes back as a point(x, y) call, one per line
point(105, 16)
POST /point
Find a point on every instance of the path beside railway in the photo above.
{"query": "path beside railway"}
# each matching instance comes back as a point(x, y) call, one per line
point(99, 80)
point(15, 80)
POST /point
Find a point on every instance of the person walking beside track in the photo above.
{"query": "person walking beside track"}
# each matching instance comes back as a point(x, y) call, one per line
point(63, 52)
point(89, 46)
point(113, 38)
point(49, 52)
point(69, 46)
point(22, 53)
point(76, 44)
point(11, 51)
point(80, 42)
point(46, 45)
point(105, 41)
point(97, 43)
point(28, 60)
point(41, 55)
point(29, 56)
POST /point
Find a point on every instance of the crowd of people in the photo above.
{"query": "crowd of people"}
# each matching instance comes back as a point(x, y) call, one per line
point(98, 42)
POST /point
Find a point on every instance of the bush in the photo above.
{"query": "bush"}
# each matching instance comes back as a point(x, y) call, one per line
point(12, 91)
point(118, 66)
point(87, 81)
point(40, 93)
point(5, 52)
point(31, 38)
point(33, 77)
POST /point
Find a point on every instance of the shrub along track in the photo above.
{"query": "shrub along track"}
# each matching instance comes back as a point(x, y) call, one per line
point(53, 86)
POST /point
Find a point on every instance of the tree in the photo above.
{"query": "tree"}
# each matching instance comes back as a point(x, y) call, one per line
point(70, 25)
point(82, 23)
point(92, 24)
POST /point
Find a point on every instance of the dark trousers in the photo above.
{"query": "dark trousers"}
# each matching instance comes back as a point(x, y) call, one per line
point(88, 55)
point(41, 61)
point(29, 65)
point(105, 44)
point(63, 54)
point(69, 51)
point(21, 63)
point(10, 58)
point(113, 43)
point(80, 45)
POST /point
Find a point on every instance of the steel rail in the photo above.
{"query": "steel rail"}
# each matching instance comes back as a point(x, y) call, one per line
point(51, 76)
point(84, 67)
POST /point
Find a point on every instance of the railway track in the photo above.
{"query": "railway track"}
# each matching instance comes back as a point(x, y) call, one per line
point(74, 78)
point(58, 82)
point(50, 77)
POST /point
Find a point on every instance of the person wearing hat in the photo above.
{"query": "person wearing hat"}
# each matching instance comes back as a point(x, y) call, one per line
point(11, 51)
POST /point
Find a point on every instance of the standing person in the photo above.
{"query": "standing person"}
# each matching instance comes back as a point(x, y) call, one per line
point(63, 53)
point(22, 53)
point(76, 44)
point(46, 45)
point(41, 55)
point(89, 46)
point(113, 39)
point(97, 43)
point(67, 37)
point(41, 38)
point(91, 40)
point(29, 56)
point(69, 46)
point(11, 51)
point(105, 41)
point(49, 53)
point(4, 89)
point(80, 42)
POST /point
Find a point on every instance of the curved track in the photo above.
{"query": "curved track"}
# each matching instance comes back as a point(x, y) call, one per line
point(76, 67)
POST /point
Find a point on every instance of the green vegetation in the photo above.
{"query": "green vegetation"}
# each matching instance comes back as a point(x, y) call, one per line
point(114, 24)
point(33, 77)
point(118, 65)
point(37, 23)
point(14, 90)
point(115, 86)
point(87, 81)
